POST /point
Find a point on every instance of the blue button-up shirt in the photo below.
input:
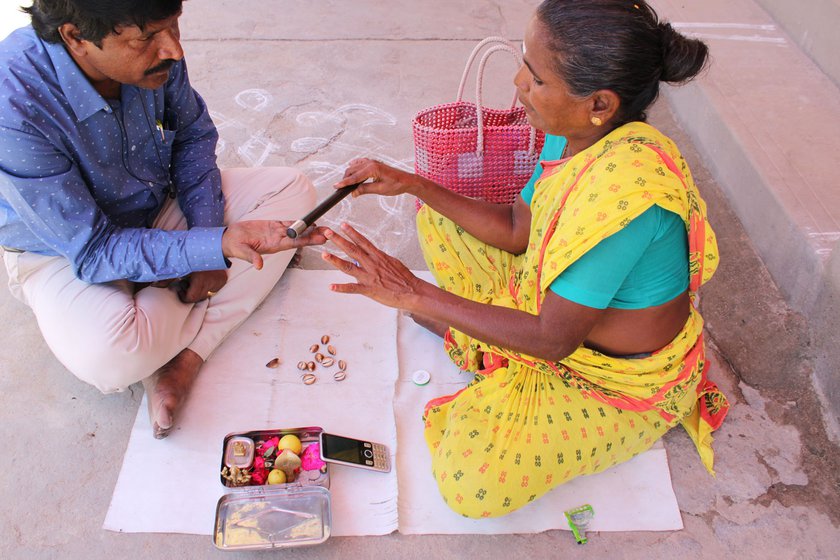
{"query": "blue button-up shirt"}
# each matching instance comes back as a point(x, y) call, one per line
point(84, 177)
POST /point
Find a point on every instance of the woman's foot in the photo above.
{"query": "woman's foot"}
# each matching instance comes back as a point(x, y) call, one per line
point(167, 390)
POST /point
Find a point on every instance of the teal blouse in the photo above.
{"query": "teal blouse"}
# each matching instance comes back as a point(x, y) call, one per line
point(643, 265)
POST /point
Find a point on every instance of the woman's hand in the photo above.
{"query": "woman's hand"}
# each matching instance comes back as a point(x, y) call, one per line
point(249, 240)
point(379, 276)
point(555, 333)
point(384, 179)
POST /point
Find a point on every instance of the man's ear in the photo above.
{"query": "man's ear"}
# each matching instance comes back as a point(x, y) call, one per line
point(73, 39)
point(605, 104)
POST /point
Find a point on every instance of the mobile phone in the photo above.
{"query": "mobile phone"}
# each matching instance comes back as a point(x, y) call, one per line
point(354, 452)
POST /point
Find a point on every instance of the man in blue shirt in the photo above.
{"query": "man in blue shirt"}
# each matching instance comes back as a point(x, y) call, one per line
point(117, 224)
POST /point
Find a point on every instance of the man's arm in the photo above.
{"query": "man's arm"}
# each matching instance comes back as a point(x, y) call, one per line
point(194, 172)
point(48, 194)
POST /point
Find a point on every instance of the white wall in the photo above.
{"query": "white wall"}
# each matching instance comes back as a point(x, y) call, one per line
point(11, 17)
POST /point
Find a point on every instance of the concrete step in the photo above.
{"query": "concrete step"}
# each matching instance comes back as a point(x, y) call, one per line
point(813, 25)
point(765, 117)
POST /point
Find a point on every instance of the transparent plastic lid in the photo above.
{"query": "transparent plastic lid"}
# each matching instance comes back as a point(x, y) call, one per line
point(273, 518)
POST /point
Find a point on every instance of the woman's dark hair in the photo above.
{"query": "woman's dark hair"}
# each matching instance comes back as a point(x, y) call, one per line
point(96, 18)
point(619, 45)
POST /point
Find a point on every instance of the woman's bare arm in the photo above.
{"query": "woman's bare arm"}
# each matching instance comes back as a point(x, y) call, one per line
point(501, 225)
point(555, 333)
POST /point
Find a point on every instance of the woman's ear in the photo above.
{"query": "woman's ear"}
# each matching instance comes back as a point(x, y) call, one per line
point(73, 39)
point(605, 105)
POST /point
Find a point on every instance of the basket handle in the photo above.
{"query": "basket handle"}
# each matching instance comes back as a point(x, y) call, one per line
point(479, 148)
point(500, 41)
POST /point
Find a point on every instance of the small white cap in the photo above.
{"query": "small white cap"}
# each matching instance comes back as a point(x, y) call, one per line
point(421, 377)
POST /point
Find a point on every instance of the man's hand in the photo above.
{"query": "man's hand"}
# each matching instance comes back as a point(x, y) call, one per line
point(199, 286)
point(250, 240)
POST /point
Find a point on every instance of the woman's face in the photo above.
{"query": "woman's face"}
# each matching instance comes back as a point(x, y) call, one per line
point(549, 104)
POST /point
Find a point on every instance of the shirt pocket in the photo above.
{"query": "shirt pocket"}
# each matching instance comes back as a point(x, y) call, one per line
point(164, 141)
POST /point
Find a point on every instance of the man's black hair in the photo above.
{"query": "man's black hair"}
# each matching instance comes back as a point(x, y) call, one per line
point(96, 18)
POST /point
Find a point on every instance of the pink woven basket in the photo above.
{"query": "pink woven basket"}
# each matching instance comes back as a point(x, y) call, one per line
point(488, 154)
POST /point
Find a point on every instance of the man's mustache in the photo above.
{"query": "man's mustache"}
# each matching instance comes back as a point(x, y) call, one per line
point(165, 65)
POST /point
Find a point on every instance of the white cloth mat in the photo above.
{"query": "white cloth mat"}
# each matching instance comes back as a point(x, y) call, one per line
point(173, 485)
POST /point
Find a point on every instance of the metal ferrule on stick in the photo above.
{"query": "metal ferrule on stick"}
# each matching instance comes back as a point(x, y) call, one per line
point(300, 225)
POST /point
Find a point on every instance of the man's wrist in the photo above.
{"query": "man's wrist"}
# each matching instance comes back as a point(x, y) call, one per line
point(204, 249)
point(228, 264)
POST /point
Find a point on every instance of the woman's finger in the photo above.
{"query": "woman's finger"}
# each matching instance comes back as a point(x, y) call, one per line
point(352, 179)
point(357, 172)
point(360, 240)
point(347, 288)
point(351, 249)
point(343, 265)
point(359, 161)
point(352, 175)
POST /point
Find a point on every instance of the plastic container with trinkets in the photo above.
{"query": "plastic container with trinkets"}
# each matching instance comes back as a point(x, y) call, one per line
point(277, 491)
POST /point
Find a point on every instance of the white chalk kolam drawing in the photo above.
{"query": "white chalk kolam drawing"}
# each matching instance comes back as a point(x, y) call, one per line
point(825, 243)
point(355, 129)
point(253, 99)
point(321, 143)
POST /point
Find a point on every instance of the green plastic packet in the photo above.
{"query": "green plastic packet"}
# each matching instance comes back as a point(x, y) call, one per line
point(579, 519)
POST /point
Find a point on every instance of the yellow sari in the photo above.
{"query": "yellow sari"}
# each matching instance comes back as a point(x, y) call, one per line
point(525, 425)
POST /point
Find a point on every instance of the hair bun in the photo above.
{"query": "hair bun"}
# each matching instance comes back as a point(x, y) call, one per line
point(682, 58)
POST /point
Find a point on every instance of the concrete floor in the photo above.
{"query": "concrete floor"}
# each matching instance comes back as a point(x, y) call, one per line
point(315, 85)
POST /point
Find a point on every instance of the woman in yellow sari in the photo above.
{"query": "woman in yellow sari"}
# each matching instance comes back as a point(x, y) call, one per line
point(575, 305)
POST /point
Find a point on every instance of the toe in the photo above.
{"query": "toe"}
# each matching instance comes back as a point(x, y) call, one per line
point(160, 433)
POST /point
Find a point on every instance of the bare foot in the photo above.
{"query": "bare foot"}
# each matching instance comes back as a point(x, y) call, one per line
point(167, 390)
point(295, 262)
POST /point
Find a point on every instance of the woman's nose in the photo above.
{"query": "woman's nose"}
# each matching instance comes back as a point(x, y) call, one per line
point(520, 79)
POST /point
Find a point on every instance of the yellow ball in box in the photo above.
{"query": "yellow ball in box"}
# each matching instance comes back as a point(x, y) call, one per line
point(290, 442)
point(276, 476)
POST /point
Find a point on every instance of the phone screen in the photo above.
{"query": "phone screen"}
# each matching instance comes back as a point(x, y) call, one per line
point(342, 449)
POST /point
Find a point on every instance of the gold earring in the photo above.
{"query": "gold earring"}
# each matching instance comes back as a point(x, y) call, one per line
point(596, 121)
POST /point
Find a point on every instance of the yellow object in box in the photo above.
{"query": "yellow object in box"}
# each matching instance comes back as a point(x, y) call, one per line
point(291, 442)
point(276, 476)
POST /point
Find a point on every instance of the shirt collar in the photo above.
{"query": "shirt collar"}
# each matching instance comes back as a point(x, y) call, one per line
point(80, 93)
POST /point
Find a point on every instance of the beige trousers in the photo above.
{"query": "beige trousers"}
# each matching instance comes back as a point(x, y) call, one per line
point(110, 335)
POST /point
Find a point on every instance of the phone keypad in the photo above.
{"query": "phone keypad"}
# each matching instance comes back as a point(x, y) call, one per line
point(378, 453)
